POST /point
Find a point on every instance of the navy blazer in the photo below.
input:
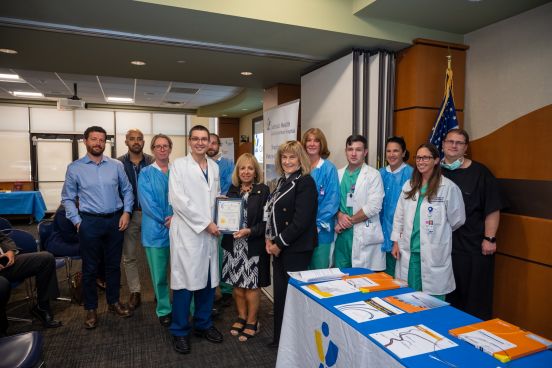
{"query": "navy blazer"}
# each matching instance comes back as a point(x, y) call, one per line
point(294, 214)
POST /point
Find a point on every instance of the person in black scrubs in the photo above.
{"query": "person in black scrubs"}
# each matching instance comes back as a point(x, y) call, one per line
point(473, 244)
point(291, 234)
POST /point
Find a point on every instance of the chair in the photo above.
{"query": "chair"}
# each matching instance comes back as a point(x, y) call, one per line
point(5, 224)
point(21, 350)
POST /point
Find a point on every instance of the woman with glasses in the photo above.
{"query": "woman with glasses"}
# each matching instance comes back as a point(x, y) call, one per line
point(394, 175)
point(429, 210)
point(153, 191)
point(474, 244)
point(291, 234)
point(246, 265)
point(324, 173)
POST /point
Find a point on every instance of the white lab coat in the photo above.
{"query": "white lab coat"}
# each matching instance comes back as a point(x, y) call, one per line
point(193, 249)
point(367, 235)
point(447, 212)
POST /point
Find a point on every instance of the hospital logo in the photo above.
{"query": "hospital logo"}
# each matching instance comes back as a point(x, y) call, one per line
point(328, 356)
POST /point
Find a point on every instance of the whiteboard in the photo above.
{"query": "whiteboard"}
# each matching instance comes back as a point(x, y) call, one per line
point(16, 156)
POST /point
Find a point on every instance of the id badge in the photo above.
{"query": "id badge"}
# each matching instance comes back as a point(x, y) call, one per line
point(430, 228)
point(349, 199)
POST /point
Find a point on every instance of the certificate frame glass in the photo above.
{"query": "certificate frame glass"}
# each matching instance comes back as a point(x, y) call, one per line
point(227, 219)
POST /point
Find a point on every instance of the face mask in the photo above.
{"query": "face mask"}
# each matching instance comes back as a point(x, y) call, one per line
point(455, 165)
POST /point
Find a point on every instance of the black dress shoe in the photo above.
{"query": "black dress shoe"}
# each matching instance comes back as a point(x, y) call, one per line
point(165, 320)
point(45, 316)
point(211, 334)
point(134, 301)
point(91, 320)
point(182, 344)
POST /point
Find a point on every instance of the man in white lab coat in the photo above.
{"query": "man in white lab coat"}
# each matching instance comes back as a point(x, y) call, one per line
point(194, 185)
point(360, 235)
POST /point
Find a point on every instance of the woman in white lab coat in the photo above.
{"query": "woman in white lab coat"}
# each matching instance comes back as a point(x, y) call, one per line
point(429, 210)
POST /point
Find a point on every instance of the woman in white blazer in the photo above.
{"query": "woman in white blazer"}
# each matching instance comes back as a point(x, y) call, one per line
point(429, 210)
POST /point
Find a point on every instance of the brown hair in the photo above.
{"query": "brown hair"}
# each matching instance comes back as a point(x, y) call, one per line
point(461, 132)
point(434, 180)
point(247, 157)
point(297, 149)
point(320, 137)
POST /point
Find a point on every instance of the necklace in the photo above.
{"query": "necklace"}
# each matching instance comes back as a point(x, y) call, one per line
point(246, 189)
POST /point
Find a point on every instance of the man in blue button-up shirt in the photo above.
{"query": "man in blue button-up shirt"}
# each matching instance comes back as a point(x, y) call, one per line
point(102, 216)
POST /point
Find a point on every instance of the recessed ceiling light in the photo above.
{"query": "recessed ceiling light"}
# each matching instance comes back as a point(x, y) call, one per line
point(26, 94)
point(4, 77)
point(224, 114)
point(120, 99)
point(246, 73)
point(138, 62)
point(181, 61)
point(8, 51)
point(244, 109)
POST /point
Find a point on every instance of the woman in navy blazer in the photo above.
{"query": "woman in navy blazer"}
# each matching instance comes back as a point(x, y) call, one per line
point(291, 234)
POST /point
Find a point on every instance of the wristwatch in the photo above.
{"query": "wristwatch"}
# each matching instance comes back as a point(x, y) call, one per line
point(490, 239)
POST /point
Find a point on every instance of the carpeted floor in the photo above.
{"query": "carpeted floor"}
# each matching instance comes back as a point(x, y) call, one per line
point(139, 341)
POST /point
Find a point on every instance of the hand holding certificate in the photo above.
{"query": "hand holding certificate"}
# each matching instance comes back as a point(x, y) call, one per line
point(229, 214)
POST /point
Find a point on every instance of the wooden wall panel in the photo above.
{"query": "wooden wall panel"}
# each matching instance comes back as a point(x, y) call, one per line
point(522, 294)
point(415, 125)
point(420, 80)
point(520, 149)
point(280, 94)
point(230, 128)
point(525, 237)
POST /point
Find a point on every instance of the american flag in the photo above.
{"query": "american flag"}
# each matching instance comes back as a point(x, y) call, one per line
point(446, 120)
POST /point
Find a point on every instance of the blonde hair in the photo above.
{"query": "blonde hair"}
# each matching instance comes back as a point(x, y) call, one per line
point(297, 149)
point(242, 160)
point(320, 137)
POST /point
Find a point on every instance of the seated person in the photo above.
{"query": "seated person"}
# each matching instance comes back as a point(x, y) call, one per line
point(64, 239)
point(16, 267)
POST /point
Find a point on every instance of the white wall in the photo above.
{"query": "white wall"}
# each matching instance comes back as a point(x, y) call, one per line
point(508, 70)
point(326, 103)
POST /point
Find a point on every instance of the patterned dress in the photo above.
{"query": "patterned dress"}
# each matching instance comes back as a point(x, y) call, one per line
point(237, 269)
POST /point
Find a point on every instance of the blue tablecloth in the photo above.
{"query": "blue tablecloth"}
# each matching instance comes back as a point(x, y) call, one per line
point(23, 203)
point(439, 319)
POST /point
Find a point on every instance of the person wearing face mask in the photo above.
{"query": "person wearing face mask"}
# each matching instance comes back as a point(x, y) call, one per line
point(430, 208)
point(394, 175)
point(246, 265)
point(474, 244)
point(324, 173)
point(291, 234)
point(360, 236)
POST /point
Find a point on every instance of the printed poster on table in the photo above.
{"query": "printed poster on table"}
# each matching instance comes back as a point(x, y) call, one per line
point(280, 125)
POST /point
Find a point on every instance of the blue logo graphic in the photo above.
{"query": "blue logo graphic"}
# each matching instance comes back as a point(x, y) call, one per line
point(328, 358)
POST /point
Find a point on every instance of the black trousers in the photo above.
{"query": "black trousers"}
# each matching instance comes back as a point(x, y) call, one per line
point(474, 276)
point(42, 266)
point(100, 240)
point(281, 266)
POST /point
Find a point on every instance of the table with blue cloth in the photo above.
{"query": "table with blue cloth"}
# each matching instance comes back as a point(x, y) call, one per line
point(342, 342)
point(23, 203)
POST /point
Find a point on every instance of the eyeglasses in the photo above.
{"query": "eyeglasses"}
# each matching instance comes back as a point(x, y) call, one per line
point(454, 143)
point(198, 139)
point(423, 158)
point(161, 147)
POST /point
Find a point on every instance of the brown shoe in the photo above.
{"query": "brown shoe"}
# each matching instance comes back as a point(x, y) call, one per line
point(134, 301)
point(91, 319)
point(119, 310)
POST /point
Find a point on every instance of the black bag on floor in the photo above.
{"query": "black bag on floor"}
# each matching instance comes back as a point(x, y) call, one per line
point(76, 288)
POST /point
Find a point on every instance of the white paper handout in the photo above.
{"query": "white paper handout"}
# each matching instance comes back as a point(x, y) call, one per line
point(486, 341)
point(414, 340)
point(318, 275)
point(330, 288)
point(368, 310)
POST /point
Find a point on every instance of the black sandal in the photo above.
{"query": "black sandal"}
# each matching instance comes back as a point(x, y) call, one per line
point(244, 336)
point(235, 331)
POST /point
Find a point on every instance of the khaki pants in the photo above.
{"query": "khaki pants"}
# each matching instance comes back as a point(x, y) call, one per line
point(131, 244)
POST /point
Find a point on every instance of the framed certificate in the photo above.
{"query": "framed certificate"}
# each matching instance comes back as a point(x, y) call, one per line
point(229, 214)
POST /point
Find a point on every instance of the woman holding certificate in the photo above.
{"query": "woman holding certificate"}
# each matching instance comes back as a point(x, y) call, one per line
point(291, 234)
point(430, 208)
point(245, 264)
